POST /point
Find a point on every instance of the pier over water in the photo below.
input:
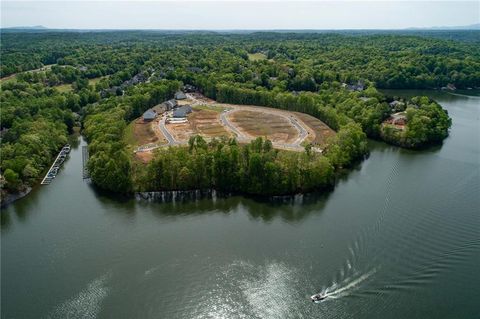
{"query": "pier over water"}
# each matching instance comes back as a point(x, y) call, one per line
point(53, 171)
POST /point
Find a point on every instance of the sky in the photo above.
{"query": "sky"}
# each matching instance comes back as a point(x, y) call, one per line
point(235, 15)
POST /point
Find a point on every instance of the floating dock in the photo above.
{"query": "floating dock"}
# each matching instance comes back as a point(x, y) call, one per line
point(53, 171)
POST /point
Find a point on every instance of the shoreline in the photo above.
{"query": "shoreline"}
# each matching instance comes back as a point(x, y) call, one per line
point(178, 196)
point(11, 198)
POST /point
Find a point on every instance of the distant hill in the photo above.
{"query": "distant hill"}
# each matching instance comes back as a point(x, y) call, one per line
point(475, 26)
point(35, 27)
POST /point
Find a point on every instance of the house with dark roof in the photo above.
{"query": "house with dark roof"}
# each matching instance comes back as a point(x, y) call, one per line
point(180, 96)
point(149, 115)
point(182, 111)
point(159, 108)
point(170, 104)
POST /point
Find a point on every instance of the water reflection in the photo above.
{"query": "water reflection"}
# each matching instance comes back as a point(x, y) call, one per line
point(5, 220)
point(290, 210)
point(22, 209)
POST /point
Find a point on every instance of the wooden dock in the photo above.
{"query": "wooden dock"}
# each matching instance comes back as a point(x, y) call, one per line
point(85, 157)
point(53, 171)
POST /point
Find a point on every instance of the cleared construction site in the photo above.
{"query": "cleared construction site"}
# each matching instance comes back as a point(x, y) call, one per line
point(209, 119)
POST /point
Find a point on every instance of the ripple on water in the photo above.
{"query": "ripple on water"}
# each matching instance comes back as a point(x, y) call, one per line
point(86, 304)
point(247, 290)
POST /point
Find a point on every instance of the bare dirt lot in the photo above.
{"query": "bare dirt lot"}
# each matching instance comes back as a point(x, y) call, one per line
point(272, 126)
point(147, 132)
point(144, 157)
point(140, 133)
point(203, 122)
point(207, 123)
point(287, 130)
point(321, 131)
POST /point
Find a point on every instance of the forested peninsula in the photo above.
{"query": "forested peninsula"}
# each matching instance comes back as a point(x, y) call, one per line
point(99, 82)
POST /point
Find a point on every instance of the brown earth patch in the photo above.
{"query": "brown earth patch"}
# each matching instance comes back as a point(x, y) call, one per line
point(147, 132)
point(202, 122)
point(144, 157)
point(321, 131)
point(276, 128)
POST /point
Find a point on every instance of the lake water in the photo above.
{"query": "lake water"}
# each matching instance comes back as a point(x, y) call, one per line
point(399, 237)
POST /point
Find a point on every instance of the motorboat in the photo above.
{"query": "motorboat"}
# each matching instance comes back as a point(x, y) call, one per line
point(318, 297)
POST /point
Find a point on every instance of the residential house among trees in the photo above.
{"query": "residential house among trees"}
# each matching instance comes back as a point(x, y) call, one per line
point(170, 104)
point(182, 111)
point(180, 95)
point(149, 115)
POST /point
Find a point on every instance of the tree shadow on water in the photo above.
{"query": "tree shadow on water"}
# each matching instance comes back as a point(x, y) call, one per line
point(291, 209)
point(124, 203)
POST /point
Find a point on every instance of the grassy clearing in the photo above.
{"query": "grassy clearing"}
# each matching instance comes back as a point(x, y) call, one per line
point(63, 88)
point(256, 56)
point(132, 139)
point(128, 135)
point(213, 108)
point(96, 80)
point(140, 133)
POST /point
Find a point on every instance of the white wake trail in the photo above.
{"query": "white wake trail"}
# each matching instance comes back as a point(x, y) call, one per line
point(342, 289)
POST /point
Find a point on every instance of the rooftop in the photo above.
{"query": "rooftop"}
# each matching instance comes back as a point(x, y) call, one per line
point(182, 111)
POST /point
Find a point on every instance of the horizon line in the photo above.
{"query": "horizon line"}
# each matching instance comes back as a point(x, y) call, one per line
point(473, 27)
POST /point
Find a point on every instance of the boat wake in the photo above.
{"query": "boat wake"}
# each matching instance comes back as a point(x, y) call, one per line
point(347, 286)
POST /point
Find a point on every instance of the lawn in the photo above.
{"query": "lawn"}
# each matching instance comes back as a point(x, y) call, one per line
point(95, 80)
point(63, 88)
point(128, 135)
point(256, 56)
point(213, 108)
point(140, 133)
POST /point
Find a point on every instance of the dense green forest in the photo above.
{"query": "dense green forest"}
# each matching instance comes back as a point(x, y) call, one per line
point(389, 60)
point(103, 80)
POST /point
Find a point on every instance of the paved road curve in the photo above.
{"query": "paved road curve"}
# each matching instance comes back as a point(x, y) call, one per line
point(170, 139)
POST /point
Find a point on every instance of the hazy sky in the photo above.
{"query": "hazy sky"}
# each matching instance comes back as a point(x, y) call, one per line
point(239, 15)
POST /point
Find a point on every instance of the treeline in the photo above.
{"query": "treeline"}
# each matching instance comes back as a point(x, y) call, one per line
point(110, 163)
point(295, 61)
point(256, 168)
